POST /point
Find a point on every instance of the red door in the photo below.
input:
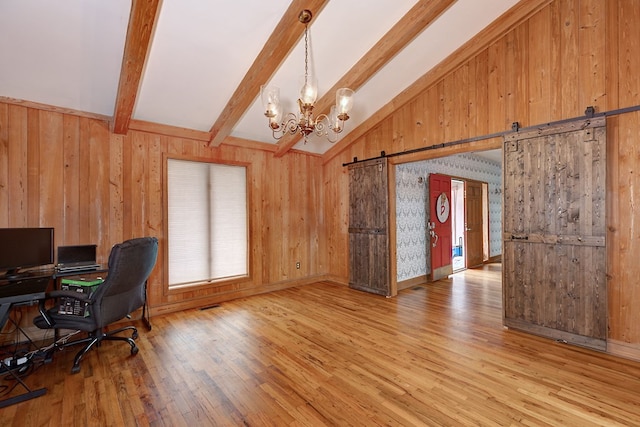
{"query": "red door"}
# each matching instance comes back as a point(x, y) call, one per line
point(440, 225)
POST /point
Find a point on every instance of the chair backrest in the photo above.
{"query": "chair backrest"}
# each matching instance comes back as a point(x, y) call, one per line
point(123, 291)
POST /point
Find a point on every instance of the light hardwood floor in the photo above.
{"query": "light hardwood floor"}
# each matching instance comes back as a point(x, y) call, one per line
point(323, 354)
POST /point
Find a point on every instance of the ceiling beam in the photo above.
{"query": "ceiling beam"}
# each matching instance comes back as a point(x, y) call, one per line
point(515, 16)
point(276, 49)
point(402, 33)
point(144, 14)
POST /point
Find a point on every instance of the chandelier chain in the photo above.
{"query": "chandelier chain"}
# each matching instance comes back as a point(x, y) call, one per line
point(306, 53)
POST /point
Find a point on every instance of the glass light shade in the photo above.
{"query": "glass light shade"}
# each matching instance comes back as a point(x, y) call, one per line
point(334, 121)
point(344, 100)
point(270, 100)
point(308, 89)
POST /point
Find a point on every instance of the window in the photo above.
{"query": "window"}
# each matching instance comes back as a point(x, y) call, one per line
point(207, 222)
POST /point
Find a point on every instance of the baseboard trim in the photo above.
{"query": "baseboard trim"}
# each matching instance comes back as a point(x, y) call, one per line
point(156, 310)
point(555, 334)
point(624, 349)
point(336, 279)
point(415, 281)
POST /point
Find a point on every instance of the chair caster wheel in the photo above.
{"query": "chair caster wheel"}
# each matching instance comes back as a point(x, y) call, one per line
point(134, 335)
point(134, 350)
point(75, 369)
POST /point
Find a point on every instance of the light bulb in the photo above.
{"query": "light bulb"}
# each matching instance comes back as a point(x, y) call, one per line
point(270, 100)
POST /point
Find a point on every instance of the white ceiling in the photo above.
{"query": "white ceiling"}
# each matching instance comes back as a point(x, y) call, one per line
point(493, 155)
point(69, 53)
point(65, 53)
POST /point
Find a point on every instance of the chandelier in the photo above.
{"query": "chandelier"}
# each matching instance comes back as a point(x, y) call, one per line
point(323, 125)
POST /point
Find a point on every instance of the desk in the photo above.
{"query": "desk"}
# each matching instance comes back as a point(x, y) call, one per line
point(22, 291)
point(32, 288)
point(56, 274)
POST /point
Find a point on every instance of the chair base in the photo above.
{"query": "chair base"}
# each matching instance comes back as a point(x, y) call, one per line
point(95, 338)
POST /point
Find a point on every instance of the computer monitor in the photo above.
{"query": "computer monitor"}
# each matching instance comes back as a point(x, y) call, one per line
point(23, 248)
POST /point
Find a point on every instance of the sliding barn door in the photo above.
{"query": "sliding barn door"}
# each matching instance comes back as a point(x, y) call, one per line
point(554, 260)
point(368, 227)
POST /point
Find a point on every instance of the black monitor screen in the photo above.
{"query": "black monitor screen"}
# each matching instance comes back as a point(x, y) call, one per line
point(25, 247)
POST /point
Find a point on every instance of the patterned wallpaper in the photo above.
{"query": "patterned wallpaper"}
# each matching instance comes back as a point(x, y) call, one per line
point(411, 206)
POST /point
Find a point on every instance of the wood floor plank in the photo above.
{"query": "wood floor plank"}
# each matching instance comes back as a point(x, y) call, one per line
point(324, 354)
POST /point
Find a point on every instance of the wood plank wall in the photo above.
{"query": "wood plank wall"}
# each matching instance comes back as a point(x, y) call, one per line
point(568, 55)
point(71, 173)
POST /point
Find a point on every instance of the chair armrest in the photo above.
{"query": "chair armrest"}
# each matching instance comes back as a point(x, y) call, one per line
point(56, 295)
point(43, 312)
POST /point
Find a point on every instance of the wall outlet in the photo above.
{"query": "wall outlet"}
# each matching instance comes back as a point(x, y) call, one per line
point(298, 265)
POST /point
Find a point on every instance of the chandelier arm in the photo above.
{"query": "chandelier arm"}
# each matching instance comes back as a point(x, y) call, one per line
point(322, 124)
point(325, 128)
point(290, 124)
point(320, 120)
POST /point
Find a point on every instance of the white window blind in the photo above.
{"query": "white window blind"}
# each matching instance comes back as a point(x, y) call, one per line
point(207, 209)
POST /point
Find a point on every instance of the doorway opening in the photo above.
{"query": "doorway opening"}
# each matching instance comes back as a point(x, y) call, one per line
point(469, 223)
point(457, 225)
point(413, 242)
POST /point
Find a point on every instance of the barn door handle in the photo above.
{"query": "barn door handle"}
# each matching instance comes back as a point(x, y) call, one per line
point(435, 236)
point(519, 237)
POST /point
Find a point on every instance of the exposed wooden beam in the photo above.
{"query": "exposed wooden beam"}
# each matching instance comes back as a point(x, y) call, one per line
point(233, 141)
point(282, 40)
point(249, 144)
point(144, 14)
point(505, 23)
point(412, 23)
point(168, 130)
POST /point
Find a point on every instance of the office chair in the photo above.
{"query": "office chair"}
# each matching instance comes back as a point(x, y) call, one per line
point(122, 292)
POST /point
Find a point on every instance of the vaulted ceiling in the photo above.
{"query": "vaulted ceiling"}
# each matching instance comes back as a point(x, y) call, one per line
point(197, 65)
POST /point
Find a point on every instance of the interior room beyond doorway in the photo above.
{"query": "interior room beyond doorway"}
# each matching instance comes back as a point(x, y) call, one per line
point(412, 241)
